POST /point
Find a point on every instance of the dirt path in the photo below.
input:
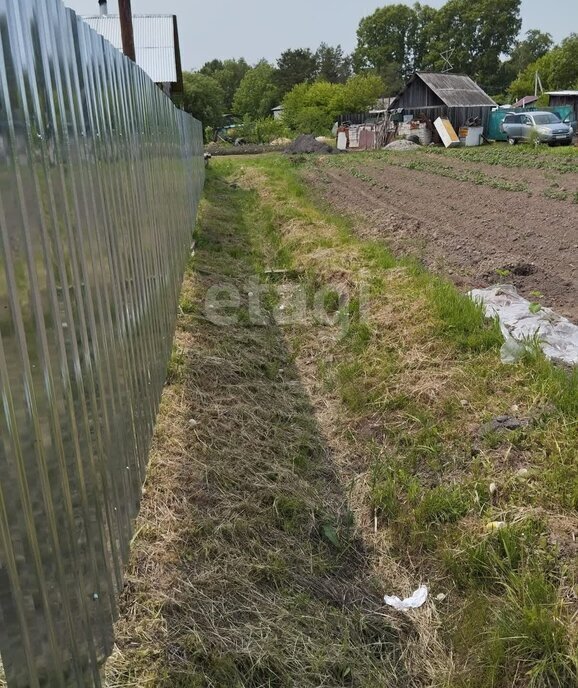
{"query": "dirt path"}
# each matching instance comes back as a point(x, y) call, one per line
point(476, 234)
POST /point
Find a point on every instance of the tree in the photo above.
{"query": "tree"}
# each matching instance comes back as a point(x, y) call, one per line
point(295, 67)
point(425, 17)
point(564, 72)
point(396, 40)
point(332, 65)
point(535, 45)
point(476, 33)
point(558, 69)
point(203, 98)
point(361, 93)
point(388, 42)
point(257, 94)
point(211, 68)
point(313, 108)
point(229, 74)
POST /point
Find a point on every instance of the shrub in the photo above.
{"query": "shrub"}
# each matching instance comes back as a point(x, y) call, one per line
point(263, 130)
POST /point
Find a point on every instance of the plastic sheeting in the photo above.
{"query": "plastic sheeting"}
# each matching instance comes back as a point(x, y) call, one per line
point(557, 336)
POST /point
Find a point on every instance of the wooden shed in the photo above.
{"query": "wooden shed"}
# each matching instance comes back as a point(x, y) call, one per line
point(454, 96)
point(561, 98)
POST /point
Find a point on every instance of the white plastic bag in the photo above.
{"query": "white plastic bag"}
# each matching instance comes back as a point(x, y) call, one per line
point(414, 602)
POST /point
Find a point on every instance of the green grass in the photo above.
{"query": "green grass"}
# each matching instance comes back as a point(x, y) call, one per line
point(246, 545)
point(560, 159)
point(459, 319)
point(374, 420)
point(175, 367)
point(429, 489)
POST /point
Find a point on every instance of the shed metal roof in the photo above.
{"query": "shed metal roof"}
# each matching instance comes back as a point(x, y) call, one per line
point(563, 93)
point(456, 90)
point(154, 40)
point(526, 100)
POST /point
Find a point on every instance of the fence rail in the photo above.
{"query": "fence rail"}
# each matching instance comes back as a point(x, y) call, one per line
point(100, 177)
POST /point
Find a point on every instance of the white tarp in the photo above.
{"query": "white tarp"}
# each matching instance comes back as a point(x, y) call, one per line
point(558, 337)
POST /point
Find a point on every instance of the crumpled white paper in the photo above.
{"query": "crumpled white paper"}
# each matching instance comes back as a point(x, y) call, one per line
point(558, 337)
point(414, 602)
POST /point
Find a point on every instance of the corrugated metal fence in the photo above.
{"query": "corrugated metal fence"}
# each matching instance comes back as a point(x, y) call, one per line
point(100, 176)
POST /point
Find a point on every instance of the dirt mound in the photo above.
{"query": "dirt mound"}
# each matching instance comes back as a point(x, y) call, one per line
point(402, 145)
point(306, 143)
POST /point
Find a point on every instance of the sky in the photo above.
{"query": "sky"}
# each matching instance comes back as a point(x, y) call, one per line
point(254, 29)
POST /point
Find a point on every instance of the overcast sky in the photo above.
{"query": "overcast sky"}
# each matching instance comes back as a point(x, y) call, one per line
point(264, 28)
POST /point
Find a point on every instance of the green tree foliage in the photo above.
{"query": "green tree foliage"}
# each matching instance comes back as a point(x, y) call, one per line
point(558, 69)
point(203, 98)
point(398, 39)
point(332, 64)
point(229, 74)
point(361, 93)
point(313, 108)
point(387, 42)
point(263, 130)
point(295, 67)
point(535, 45)
point(477, 33)
point(258, 93)
point(211, 68)
point(425, 22)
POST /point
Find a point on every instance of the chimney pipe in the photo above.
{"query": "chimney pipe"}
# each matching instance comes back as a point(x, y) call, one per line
point(103, 8)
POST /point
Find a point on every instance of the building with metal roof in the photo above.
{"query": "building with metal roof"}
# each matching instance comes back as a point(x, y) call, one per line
point(455, 96)
point(526, 101)
point(565, 98)
point(156, 39)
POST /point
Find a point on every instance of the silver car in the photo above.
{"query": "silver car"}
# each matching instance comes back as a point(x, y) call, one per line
point(544, 127)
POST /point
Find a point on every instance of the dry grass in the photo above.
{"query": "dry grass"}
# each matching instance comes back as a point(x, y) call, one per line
point(401, 399)
point(249, 568)
point(326, 466)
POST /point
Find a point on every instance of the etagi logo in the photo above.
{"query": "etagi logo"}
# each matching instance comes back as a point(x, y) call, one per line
point(260, 304)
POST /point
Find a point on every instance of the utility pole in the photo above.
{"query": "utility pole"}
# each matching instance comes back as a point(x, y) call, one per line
point(126, 29)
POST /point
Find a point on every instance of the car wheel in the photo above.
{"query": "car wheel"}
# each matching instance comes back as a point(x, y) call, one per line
point(512, 141)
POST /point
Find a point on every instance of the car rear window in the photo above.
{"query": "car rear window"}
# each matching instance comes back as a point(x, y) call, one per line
point(512, 119)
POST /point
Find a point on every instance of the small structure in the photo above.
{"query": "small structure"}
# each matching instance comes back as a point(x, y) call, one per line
point(278, 112)
point(565, 98)
point(156, 38)
point(526, 101)
point(452, 96)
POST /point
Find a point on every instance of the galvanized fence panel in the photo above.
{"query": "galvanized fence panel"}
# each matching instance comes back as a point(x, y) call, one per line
point(100, 177)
